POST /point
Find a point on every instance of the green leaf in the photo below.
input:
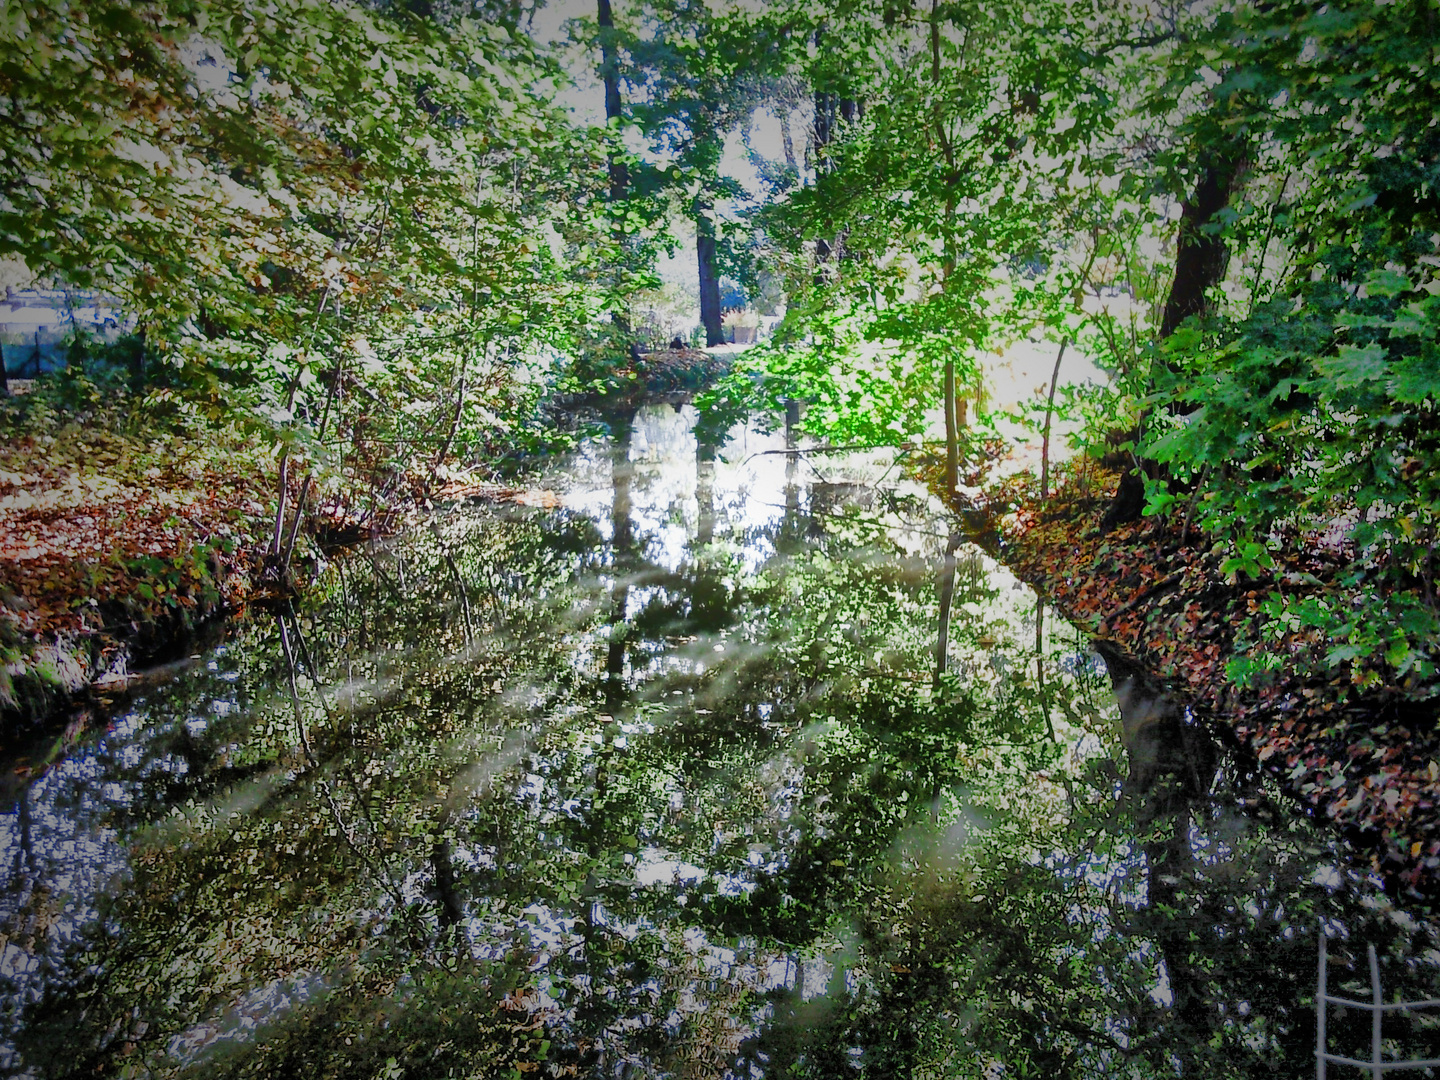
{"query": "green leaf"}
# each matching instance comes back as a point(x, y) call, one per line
point(1353, 366)
point(1415, 378)
point(1397, 652)
point(1386, 283)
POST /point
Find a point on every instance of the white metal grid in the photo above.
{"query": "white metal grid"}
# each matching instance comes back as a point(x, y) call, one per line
point(1377, 1007)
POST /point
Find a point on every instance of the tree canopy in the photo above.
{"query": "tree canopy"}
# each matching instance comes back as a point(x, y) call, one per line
point(384, 233)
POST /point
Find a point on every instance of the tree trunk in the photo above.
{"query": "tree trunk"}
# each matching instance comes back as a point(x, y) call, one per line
point(1049, 408)
point(622, 544)
point(824, 117)
point(137, 358)
point(619, 172)
point(824, 105)
point(704, 493)
point(952, 430)
point(1200, 257)
point(610, 76)
point(830, 109)
point(1200, 262)
point(709, 278)
point(952, 425)
point(787, 142)
point(947, 599)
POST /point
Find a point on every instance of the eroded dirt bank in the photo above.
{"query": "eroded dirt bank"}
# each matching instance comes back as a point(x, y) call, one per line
point(114, 549)
point(124, 543)
point(1365, 759)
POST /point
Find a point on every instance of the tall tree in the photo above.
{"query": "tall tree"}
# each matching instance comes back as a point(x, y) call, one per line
point(614, 117)
point(704, 71)
point(614, 110)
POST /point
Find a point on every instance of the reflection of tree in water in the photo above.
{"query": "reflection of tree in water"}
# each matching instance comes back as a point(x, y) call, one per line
point(312, 783)
point(499, 801)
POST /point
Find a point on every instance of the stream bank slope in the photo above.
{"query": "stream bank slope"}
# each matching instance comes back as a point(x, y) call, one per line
point(125, 545)
point(1365, 759)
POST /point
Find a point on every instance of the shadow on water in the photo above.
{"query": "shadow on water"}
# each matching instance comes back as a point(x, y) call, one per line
point(661, 782)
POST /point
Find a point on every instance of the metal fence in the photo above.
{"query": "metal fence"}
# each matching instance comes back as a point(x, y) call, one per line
point(1377, 1007)
point(37, 326)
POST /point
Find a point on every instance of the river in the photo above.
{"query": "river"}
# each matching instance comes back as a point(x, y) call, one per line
point(648, 775)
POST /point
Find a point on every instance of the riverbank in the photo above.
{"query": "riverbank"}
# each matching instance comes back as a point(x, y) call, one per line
point(642, 376)
point(1364, 758)
point(124, 534)
point(127, 544)
point(121, 538)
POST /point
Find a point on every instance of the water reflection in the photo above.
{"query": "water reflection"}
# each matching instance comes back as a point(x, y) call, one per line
point(657, 783)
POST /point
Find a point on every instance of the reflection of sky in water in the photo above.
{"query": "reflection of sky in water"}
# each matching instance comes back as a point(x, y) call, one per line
point(748, 484)
point(60, 839)
point(59, 846)
point(64, 836)
point(753, 484)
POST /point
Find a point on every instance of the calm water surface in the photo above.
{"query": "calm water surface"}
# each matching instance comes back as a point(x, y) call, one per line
point(649, 778)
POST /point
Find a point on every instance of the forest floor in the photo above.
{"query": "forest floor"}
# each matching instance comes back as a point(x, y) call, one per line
point(1365, 758)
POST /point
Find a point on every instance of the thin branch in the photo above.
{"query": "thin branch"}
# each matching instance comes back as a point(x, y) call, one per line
point(1147, 42)
point(1265, 247)
point(1049, 407)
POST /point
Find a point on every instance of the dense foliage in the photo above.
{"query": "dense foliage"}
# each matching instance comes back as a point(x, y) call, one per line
point(1258, 178)
point(1307, 409)
point(343, 226)
point(560, 791)
point(376, 233)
